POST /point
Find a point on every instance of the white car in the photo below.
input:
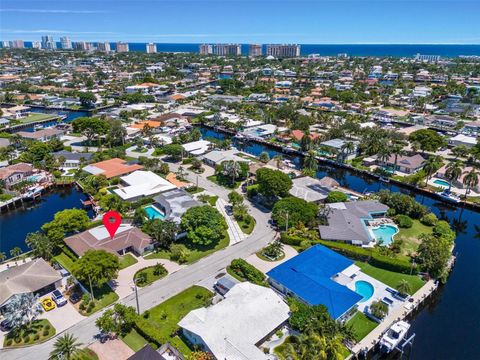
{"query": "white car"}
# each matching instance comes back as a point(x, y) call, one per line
point(58, 298)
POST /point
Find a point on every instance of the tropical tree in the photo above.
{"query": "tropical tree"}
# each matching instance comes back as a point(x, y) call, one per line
point(96, 268)
point(453, 172)
point(346, 149)
point(431, 165)
point(397, 150)
point(15, 252)
point(264, 157)
point(3, 257)
point(470, 181)
point(310, 160)
point(404, 287)
point(65, 347)
point(162, 232)
point(22, 310)
point(313, 346)
point(41, 245)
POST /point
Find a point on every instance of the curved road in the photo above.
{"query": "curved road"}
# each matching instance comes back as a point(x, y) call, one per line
point(163, 289)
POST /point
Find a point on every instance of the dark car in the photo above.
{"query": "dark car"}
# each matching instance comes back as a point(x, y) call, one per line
point(5, 326)
point(75, 297)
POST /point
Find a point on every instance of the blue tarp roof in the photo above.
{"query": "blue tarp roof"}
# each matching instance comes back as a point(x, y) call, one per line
point(308, 275)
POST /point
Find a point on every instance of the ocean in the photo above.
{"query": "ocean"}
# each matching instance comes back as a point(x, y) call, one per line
point(397, 50)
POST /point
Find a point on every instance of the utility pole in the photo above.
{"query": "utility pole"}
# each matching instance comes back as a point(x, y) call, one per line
point(136, 295)
point(91, 287)
point(286, 222)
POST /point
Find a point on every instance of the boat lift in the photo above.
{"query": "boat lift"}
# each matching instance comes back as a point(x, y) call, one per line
point(406, 343)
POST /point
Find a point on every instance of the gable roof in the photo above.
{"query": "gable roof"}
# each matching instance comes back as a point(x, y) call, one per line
point(26, 278)
point(309, 276)
point(16, 168)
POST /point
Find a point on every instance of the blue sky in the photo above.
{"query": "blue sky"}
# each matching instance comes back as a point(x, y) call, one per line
point(264, 21)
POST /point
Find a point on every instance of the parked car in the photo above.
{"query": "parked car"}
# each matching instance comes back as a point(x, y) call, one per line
point(75, 297)
point(58, 298)
point(48, 304)
point(5, 326)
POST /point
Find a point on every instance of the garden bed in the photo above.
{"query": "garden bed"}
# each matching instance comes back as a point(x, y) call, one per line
point(39, 331)
point(150, 275)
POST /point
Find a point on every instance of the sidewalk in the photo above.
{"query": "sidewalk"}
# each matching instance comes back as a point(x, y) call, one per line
point(234, 231)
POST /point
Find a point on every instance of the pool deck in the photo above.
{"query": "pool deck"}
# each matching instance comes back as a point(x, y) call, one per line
point(401, 312)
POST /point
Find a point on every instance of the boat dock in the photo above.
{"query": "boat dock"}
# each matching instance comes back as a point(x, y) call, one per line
point(372, 339)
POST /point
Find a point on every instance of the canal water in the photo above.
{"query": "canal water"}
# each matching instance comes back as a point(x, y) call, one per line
point(71, 115)
point(16, 224)
point(449, 325)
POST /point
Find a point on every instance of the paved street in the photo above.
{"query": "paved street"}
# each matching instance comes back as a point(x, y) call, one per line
point(172, 284)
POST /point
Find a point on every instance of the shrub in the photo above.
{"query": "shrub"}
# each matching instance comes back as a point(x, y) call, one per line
point(26, 339)
point(403, 204)
point(336, 196)
point(17, 340)
point(379, 309)
point(9, 342)
point(430, 219)
point(149, 331)
point(443, 229)
point(36, 337)
point(403, 221)
point(146, 314)
point(45, 332)
point(159, 269)
point(252, 190)
point(179, 253)
point(246, 271)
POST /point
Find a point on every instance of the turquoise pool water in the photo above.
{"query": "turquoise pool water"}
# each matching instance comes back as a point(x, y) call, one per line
point(442, 183)
point(154, 213)
point(34, 178)
point(364, 289)
point(385, 233)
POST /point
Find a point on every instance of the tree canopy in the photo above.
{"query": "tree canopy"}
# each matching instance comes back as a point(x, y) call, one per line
point(273, 182)
point(65, 222)
point(97, 266)
point(428, 139)
point(204, 225)
point(298, 210)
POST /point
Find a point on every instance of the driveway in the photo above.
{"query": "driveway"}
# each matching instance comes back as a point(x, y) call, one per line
point(266, 266)
point(63, 317)
point(112, 350)
point(234, 232)
point(124, 282)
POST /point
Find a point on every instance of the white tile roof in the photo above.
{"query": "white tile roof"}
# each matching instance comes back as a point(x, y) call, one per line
point(143, 183)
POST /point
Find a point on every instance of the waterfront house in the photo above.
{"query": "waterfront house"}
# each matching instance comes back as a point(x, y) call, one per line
point(405, 164)
point(310, 277)
point(126, 239)
point(112, 168)
point(141, 184)
point(199, 147)
point(216, 157)
point(72, 160)
point(338, 146)
point(461, 139)
point(459, 182)
point(312, 189)
point(13, 174)
point(347, 221)
point(235, 327)
point(35, 276)
point(43, 135)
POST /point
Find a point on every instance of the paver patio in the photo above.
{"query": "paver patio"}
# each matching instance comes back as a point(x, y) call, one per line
point(111, 350)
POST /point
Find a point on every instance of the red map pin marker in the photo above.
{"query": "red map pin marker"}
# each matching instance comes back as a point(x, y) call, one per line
point(112, 221)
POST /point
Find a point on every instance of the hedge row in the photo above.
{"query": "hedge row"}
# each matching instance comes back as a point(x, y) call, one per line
point(246, 271)
point(370, 255)
point(148, 331)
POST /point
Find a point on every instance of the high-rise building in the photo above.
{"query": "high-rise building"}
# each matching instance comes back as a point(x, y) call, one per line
point(18, 44)
point(427, 58)
point(283, 50)
point(48, 43)
point(103, 46)
point(66, 43)
point(83, 46)
point(151, 48)
point(227, 49)
point(5, 44)
point(255, 50)
point(36, 45)
point(121, 47)
point(206, 49)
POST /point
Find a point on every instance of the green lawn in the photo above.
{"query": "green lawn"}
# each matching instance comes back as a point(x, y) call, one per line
point(391, 278)
point(151, 277)
point(227, 183)
point(196, 252)
point(410, 236)
point(134, 340)
point(104, 296)
point(279, 350)
point(194, 190)
point(86, 354)
point(361, 325)
point(39, 331)
point(165, 317)
point(247, 225)
point(36, 117)
point(126, 261)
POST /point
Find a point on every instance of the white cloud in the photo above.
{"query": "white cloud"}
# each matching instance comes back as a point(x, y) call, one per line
point(50, 31)
point(54, 11)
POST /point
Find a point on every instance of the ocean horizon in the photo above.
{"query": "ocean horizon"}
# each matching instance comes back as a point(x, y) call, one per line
point(393, 50)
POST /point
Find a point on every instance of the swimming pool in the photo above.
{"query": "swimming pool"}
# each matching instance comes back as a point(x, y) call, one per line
point(385, 233)
point(442, 183)
point(34, 178)
point(154, 213)
point(364, 289)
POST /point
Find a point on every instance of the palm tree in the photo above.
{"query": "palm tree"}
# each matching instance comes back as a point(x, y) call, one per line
point(470, 181)
point(431, 165)
point(3, 257)
point(347, 148)
point(453, 172)
point(310, 160)
point(278, 160)
point(384, 153)
point(22, 309)
point(66, 347)
point(15, 252)
point(397, 151)
point(404, 287)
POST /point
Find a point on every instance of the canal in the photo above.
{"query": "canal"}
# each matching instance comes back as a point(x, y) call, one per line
point(449, 325)
point(16, 224)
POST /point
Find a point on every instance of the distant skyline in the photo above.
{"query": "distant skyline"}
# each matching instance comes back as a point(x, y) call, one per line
point(245, 21)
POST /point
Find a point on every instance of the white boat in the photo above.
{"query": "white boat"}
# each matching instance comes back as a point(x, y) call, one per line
point(449, 196)
point(33, 192)
point(392, 338)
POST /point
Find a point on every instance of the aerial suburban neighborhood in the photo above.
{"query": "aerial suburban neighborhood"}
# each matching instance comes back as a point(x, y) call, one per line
point(275, 203)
